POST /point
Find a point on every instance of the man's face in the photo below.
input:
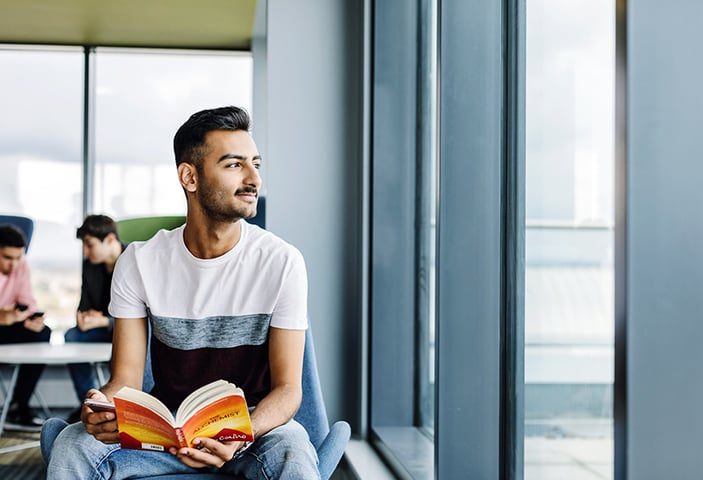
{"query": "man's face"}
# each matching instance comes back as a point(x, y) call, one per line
point(95, 250)
point(9, 259)
point(228, 177)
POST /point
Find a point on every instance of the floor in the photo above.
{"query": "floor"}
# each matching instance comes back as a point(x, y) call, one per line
point(22, 464)
point(568, 458)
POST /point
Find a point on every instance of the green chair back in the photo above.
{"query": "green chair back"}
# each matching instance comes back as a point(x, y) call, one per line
point(143, 228)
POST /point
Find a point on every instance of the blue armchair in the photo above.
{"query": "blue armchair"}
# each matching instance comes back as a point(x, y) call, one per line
point(329, 442)
point(23, 223)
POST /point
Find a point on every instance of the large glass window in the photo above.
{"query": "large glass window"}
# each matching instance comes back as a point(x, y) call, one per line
point(569, 312)
point(143, 96)
point(40, 157)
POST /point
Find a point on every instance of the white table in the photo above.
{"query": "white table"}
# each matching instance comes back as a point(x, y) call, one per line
point(18, 354)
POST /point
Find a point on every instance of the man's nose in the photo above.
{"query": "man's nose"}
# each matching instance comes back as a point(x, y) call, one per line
point(253, 177)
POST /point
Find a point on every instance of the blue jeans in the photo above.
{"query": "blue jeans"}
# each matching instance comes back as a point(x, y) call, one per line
point(283, 453)
point(82, 373)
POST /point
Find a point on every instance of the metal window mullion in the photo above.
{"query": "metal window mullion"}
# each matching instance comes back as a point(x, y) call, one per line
point(470, 248)
point(88, 128)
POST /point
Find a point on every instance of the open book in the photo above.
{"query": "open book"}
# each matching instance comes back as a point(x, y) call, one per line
point(217, 410)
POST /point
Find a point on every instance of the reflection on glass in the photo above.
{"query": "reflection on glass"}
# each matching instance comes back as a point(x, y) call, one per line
point(40, 155)
point(426, 216)
point(143, 97)
point(569, 239)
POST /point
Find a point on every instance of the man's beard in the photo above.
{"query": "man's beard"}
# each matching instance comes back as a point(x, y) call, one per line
point(215, 204)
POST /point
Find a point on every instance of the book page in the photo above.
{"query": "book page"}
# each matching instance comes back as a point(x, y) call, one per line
point(148, 401)
point(199, 397)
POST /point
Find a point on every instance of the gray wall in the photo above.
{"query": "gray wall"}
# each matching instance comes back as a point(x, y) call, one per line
point(313, 155)
point(664, 258)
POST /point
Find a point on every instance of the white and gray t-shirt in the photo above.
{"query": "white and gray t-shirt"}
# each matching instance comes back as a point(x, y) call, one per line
point(210, 318)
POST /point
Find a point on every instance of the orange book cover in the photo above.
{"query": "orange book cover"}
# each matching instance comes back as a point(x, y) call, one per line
point(217, 410)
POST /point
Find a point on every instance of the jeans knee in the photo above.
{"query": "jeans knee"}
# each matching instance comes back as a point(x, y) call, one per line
point(286, 451)
point(74, 447)
point(72, 335)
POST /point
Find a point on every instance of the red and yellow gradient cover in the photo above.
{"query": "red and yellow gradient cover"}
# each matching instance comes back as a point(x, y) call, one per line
point(141, 428)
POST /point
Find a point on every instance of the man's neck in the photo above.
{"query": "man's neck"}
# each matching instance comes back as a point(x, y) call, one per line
point(207, 239)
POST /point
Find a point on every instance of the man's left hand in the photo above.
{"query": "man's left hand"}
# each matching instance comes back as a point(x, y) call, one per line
point(207, 453)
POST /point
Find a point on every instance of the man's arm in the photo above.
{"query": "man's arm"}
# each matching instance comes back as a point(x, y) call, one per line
point(129, 343)
point(89, 315)
point(286, 349)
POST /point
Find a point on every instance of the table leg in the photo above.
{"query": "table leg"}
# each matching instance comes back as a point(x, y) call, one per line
point(8, 397)
point(99, 374)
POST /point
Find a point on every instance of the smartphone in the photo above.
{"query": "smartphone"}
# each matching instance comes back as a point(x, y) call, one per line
point(21, 307)
point(99, 405)
point(35, 315)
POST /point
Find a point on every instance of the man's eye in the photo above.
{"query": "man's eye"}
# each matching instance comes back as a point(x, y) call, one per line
point(235, 164)
point(257, 166)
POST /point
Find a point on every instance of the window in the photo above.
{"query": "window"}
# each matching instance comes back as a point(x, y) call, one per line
point(143, 96)
point(41, 159)
point(569, 313)
point(404, 225)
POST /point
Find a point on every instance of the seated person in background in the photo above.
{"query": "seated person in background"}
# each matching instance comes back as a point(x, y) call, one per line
point(17, 305)
point(225, 299)
point(101, 247)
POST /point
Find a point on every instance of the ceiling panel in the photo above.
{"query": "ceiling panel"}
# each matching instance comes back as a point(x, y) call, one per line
point(211, 24)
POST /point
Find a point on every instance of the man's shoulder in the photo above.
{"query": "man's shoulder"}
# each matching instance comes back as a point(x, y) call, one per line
point(271, 243)
point(163, 239)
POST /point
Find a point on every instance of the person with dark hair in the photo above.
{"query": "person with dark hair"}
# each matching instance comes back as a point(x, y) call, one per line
point(18, 324)
point(101, 248)
point(225, 299)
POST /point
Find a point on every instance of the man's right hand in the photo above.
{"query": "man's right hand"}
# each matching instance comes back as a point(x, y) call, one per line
point(10, 316)
point(101, 425)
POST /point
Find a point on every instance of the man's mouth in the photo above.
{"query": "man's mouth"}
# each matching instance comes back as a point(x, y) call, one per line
point(247, 196)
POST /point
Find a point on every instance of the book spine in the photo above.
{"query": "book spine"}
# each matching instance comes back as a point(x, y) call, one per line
point(181, 438)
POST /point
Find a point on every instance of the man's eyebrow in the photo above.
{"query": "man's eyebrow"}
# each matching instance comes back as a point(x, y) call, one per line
point(234, 156)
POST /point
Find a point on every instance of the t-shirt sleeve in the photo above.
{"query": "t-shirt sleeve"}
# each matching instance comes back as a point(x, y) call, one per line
point(291, 309)
point(24, 287)
point(127, 295)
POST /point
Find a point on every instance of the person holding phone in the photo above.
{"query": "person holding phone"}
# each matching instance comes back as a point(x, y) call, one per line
point(20, 322)
point(101, 248)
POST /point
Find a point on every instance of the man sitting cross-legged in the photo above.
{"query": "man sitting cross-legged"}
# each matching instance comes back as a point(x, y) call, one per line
point(225, 299)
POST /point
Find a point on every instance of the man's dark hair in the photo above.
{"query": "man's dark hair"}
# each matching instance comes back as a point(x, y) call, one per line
point(98, 226)
point(11, 236)
point(189, 141)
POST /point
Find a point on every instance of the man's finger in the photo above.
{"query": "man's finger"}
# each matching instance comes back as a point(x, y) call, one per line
point(219, 449)
point(108, 437)
point(192, 456)
point(100, 418)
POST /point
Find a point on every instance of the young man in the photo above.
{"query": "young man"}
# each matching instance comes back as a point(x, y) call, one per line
point(225, 299)
point(101, 248)
point(17, 305)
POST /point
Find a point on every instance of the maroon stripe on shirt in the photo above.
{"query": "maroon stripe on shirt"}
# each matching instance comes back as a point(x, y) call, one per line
point(177, 373)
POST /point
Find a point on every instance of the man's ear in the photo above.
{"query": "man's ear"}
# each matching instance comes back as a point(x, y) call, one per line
point(110, 237)
point(188, 176)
